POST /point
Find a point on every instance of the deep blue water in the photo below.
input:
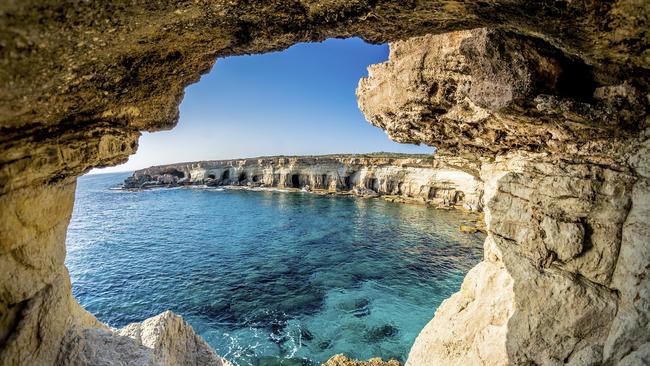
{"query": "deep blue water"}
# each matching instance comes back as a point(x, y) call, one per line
point(267, 274)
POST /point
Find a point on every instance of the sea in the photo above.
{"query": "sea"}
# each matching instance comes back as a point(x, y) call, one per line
point(267, 277)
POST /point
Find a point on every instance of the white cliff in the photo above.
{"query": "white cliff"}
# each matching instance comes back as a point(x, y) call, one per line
point(437, 180)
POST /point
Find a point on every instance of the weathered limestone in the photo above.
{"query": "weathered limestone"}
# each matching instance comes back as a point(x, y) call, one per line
point(440, 180)
point(563, 197)
point(165, 339)
point(567, 80)
point(342, 360)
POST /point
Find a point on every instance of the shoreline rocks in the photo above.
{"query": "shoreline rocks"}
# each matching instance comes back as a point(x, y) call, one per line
point(439, 181)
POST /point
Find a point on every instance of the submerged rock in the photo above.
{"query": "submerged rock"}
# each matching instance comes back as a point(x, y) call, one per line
point(381, 332)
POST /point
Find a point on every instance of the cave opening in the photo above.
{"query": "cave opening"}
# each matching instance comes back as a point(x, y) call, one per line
point(176, 173)
point(230, 172)
point(100, 95)
point(295, 181)
point(373, 184)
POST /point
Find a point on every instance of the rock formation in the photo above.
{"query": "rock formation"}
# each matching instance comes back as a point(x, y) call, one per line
point(564, 167)
point(440, 181)
point(342, 360)
point(551, 98)
point(165, 339)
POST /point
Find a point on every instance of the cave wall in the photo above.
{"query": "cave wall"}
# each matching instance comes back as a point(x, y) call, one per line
point(79, 81)
point(564, 193)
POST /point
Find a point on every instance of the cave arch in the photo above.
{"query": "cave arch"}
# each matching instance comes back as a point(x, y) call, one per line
point(87, 120)
point(225, 175)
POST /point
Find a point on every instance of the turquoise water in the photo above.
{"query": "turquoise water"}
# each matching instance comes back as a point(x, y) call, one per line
point(262, 275)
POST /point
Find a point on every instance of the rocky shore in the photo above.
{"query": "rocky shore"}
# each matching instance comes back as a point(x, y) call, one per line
point(439, 181)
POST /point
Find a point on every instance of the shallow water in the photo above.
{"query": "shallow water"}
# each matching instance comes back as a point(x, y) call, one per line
point(267, 274)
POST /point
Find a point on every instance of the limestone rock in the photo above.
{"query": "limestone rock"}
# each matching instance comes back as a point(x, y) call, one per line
point(165, 339)
point(471, 91)
point(342, 360)
point(173, 341)
point(557, 194)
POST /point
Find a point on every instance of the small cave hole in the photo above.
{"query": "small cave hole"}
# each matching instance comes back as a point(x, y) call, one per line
point(242, 177)
point(256, 178)
point(176, 173)
point(225, 175)
point(432, 192)
point(295, 181)
point(211, 176)
point(372, 183)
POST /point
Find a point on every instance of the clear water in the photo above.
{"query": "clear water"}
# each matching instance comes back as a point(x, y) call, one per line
point(267, 275)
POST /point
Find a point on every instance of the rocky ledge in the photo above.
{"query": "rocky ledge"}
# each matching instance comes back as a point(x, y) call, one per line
point(441, 181)
point(165, 339)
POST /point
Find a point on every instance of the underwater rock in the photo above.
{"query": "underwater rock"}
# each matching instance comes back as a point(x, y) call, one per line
point(306, 335)
point(381, 332)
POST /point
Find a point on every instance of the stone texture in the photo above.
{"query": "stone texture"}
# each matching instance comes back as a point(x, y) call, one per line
point(165, 339)
point(342, 360)
point(561, 198)
point(564, 81)
point(487, 90)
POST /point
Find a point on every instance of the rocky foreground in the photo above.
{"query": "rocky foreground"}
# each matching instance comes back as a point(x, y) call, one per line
point(440, 181)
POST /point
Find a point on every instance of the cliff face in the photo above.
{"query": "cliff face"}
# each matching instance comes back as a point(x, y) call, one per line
point(440, 181)
point(563, 197)
point(556, 92)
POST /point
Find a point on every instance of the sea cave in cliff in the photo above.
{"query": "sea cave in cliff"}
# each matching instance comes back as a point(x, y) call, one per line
point(333, 247)
point(521, 241)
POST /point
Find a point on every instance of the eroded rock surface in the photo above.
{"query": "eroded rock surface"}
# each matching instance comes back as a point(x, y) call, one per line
point(490, 91)
point(565, 81)
point(165, 339)
point(562, 197)
point(342, 360)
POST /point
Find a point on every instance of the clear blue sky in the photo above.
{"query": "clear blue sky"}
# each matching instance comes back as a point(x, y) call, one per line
point(295, 102)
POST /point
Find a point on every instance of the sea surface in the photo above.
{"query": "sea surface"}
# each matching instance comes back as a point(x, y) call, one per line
point(267, 276)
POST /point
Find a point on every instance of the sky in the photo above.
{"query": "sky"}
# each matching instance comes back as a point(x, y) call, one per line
point(299, 101)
